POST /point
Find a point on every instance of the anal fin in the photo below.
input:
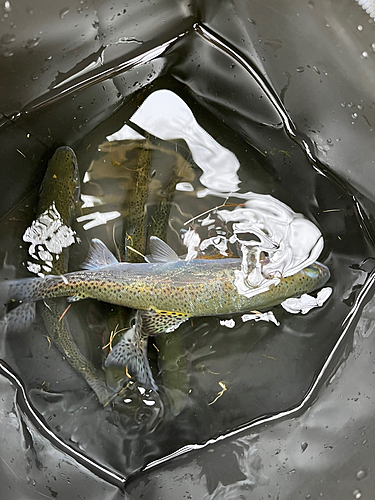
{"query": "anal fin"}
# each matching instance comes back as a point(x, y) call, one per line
point(155, 321)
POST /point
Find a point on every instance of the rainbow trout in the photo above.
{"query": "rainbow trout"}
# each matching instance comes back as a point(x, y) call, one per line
point(166, 290)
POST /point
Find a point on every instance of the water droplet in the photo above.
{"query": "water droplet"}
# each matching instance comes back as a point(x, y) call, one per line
point(8, 53)
point(7, 7)
point(343, 104)
point(63, 12)
point(300, 69)
point(357, 494)
point(30, 11)
point(364, 54)
point(8, 38)
point(350, 104)
point(360, 27)
point(32, 42)
point(361, 474)
point(316, 70)
point(48, 58)
point(308, 496)
point(373, 46)
point(95, 24)
point(354, 116)
point(304, 445)
point(360, 106)
point(311, 4)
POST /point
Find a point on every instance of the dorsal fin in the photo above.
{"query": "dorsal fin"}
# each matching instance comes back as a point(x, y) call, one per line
point(160, 251)
point(98, 256)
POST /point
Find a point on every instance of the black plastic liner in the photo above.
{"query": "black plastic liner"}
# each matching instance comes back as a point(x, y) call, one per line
point(267, 74)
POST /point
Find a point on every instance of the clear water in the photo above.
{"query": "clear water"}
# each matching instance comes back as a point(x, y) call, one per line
point(256, 369)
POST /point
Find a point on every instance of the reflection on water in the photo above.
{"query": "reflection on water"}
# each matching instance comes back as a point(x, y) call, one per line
point(164, 174)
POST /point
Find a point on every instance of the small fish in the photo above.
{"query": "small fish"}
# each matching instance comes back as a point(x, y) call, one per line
point(166, 290)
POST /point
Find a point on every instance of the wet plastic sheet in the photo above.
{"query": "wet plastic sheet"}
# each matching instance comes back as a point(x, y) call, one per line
point(317, 58)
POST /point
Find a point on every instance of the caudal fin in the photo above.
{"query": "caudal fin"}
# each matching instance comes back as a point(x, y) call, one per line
point(130, 353)
point(22, 290)
point(17, 298)
point(18, 319)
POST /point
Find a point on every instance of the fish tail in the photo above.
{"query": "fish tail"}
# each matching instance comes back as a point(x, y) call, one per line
point(18, 298)
point(130, 353)
point(23, 290)
point(19, 319)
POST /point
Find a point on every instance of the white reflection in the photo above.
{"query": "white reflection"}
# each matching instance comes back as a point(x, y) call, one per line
point(306, 302)
point(48, 236)
point(165, 115)
point(258, 316)
point(184, 186)
point(229, 323)
point(98, 218)
point(90, 201)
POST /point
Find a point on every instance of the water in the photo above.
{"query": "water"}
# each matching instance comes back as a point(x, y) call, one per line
point(226, 377)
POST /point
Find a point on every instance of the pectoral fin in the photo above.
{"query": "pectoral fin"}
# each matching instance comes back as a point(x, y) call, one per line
point(155, 321)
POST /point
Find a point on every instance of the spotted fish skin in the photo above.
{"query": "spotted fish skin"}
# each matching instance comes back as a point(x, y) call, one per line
point(61, 186)
point(195, 288)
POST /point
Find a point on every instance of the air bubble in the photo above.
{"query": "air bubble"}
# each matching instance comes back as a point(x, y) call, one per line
point(361, 474)
point(8, 38)
point(32, 42)
point(304, 445)
point(63, 12)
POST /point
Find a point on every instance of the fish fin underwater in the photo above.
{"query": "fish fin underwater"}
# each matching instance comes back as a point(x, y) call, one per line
point(98, 256)
point(19, 319)
point(130, 354)
point(161, 251)
point(156, 322)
